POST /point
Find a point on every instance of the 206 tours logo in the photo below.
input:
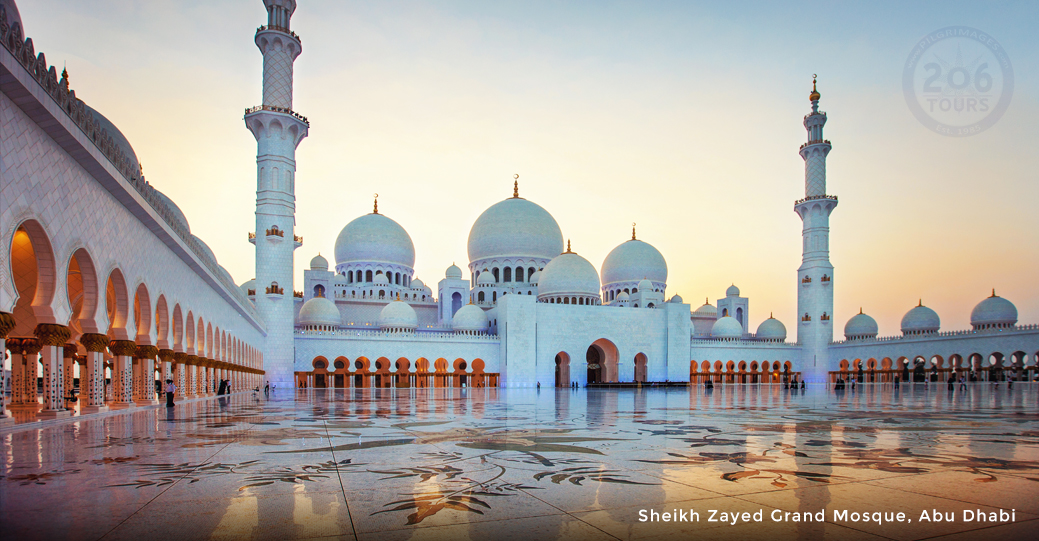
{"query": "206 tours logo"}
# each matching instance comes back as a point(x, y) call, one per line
point(958, 81)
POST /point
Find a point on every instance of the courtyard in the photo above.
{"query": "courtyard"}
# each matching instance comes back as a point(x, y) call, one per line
point(490, 463)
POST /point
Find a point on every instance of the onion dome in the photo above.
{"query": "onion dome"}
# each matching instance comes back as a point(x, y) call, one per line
point(623, 296)
point(707, 310)
point(771, 329)
point(319, 263)
point(993, 313)
point(485, 278)
point(178, 215)
point(732, 291)
point(470, 318)
point(860, 326)
point(339, 279)
point(381, 279)
point(453, 272)
point(417, 284)
point(117, 136)
point(319, 311)
point(246, 286)
point(634, 260)
point(534, 278)
point(676, 299)
point(374, 238)
point(398, 316)
point(727, 328)
point(920, 320)
point(568, 274)
point(645, 286)
point(515, 227)
point(204, 248)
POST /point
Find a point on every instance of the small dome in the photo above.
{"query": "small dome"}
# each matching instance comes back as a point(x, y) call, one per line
point(994, 312)
point(246, 286)
point(676, 299)
point(920, 319)
point(339, 279)
point(319, 311)
point(417, 284)
point(398, 315)
point(732, 291)
point(117, 136)
point(860, 326)
point(204, 248)
point(515, 227)
point(178, 215)
point(727, 328)
point(771, 329)
point(381, 279)
point(623, 296)
point(453, 272)
point(319, 263)
point(470, 318)
point(374, 238)
point(645, 286)
point(536, 277)
point(634, 260)
point(707, 310)
point(485, 278)
point(569, 274)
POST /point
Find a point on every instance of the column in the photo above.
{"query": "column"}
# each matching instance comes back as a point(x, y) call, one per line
point(166, 357)
point(210, 383)
point(68, 372)
point(7, 323)
point(92, 379)
point(145, 395)
point(52, 338)
point(122, 373)
point(181, 371)
point(30, 372)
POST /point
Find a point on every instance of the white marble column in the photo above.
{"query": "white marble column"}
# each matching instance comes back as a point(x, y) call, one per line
point(122, 373)
point(52, 338)
point(92, 378)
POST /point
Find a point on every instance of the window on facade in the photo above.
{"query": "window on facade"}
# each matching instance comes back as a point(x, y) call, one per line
point(495, 272)
point(494, 295)
point(626, 290)
point(368, 276)
point(507, 274)
point(382, 294)
point(519, 274)
point(530, 272)
point(480, 297)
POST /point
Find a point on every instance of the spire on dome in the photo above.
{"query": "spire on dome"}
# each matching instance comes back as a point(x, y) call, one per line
point(993, 292)
point(632, 230)
point(567, 247)
point(376, 209)
point(65, 78)
point(515, 186)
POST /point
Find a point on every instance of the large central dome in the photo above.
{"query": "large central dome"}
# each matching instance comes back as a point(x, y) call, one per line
point(515, 227)
point(375, 238)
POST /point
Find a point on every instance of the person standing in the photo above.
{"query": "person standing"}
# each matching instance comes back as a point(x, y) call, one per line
point(170, 390)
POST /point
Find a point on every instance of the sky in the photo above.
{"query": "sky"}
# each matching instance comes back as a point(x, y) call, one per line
point(682, 117)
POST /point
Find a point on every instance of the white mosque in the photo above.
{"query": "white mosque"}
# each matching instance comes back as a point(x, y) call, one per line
point(101, 278)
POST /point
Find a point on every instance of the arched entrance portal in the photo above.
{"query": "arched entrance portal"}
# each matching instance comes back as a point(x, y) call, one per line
point(562, 369)
point(640, 367)
point(601, 359)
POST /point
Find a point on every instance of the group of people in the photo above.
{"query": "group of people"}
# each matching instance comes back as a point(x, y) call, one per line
point(170, 390)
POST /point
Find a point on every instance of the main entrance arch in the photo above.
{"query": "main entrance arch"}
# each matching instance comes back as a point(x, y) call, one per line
point(601, 358)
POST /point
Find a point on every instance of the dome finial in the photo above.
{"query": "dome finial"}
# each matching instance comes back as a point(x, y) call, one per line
point(568, 247)
point(632, 230)
point(921, 302)
point(770, 315)
point(376, 209)
point(814, 96)
point(65, 77)
point(398, 295)
point(860, 309)
point(993, 292)
point(515, 186)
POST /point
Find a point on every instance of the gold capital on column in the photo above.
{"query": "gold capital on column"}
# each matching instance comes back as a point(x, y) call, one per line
point(94, 342)
point(70, 351)
point(166, 355)
point(180, 357)
point(31, 346)
point(124, 348)
point(52, 334)
point(146, 352)
point(191, 359)
point(6, 324)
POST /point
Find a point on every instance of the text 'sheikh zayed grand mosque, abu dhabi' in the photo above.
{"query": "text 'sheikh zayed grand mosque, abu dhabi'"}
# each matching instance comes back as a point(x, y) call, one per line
point(101, 269)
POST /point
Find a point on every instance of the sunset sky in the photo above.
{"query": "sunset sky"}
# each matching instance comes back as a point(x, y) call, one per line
point(683, 117)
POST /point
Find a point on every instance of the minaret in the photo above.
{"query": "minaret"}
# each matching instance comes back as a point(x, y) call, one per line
point(278, 131)
point(815, 276)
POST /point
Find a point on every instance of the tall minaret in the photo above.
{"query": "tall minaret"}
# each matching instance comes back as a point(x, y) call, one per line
point(278, 131)
point(815, 276)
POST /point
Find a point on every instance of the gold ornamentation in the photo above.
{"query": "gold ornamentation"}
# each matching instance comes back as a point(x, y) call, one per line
point(52, 334)
point(515, 186)
point(31, 346)
point(180, 357)
point(376, 209)
point(145, 352)
point(166, 355)
point(123, 348)
point(7, 323)
point(94, 342)
point(70, 351)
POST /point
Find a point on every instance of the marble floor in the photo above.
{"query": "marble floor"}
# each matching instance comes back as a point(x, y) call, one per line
point(524, 464)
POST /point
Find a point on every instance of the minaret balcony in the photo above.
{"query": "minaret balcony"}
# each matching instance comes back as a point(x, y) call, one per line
point(816, 142)
point(815, 197)
point(297, 241)
point(252, 238)
point(276, 28)
point(276, 109)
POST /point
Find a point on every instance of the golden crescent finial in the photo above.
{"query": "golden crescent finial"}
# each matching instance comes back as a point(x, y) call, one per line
point(376, 208)
point(515, 186)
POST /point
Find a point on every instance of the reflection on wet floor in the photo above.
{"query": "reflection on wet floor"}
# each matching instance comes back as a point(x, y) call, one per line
point(501, 463)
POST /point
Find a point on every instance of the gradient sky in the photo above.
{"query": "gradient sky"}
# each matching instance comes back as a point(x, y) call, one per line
point(683, 117)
